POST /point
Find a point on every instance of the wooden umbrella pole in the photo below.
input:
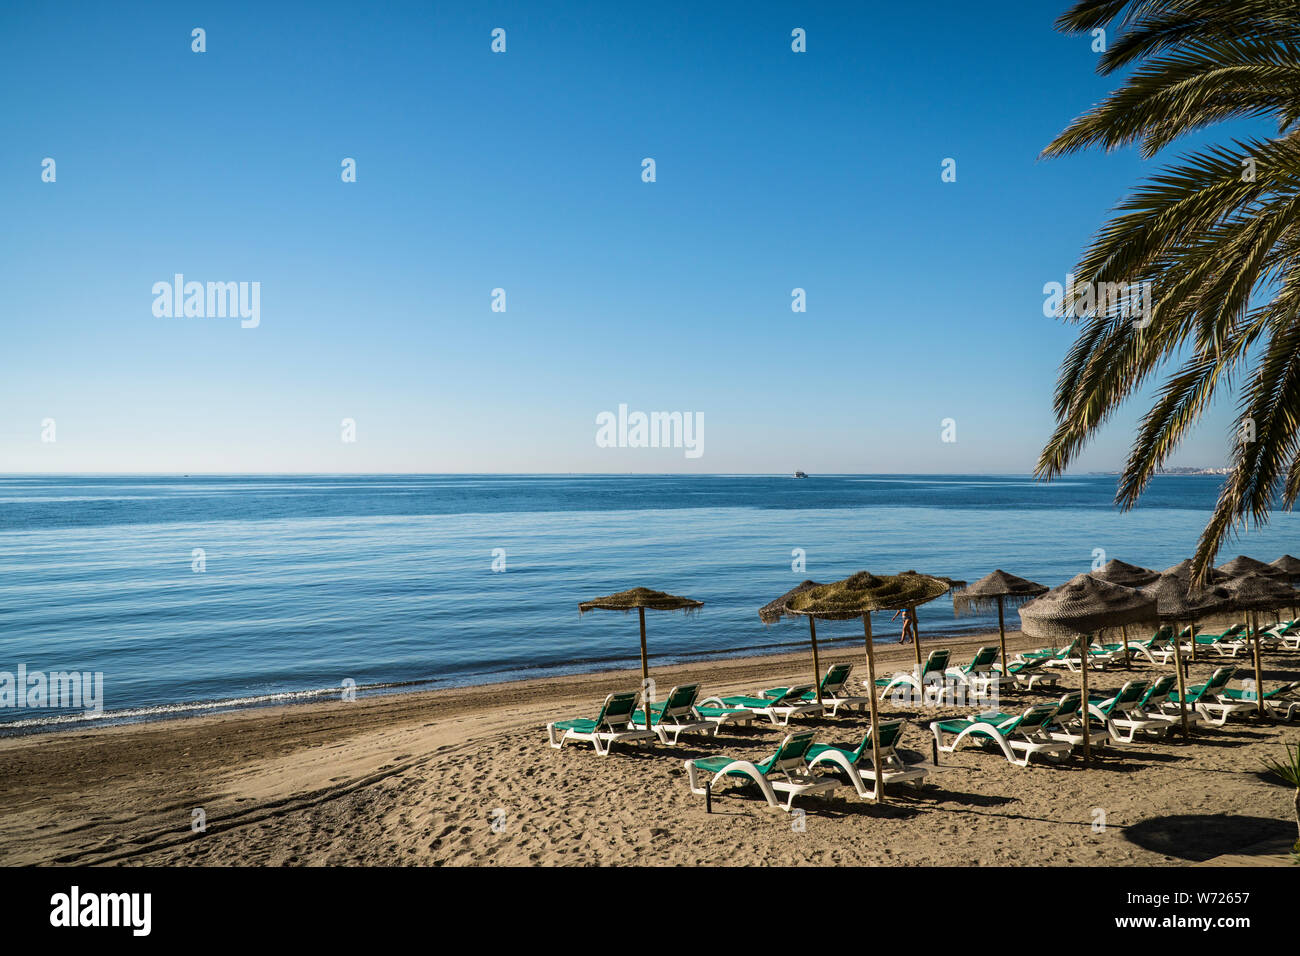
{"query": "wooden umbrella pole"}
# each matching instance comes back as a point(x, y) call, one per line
point(1084, 644)
point(1259, 670)
point(875, 716)
point(1178, 667)
point(1128, 654)
point(817, 667)
point(645, 671)
point(1191, 638)
point(916, 636)
point(1002, 635)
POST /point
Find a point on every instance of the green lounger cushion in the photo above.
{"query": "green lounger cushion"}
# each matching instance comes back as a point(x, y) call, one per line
point(581, 725)
point(747, 703)
point(721, 711)
point(1233, 693)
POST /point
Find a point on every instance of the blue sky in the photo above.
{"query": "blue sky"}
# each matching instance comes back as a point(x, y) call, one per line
point(522, 171)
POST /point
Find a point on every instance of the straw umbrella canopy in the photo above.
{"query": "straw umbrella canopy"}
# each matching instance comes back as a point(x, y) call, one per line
point(1000, 589)
point(1242, 564)
point(1291, 568)
point(1176, 602)
point(1253, 592)
point(857, 596)
point(1287, 565)
point(1079, 608)
point(773, 611)
point(1213, 576)
point(1125, 575)
point(640, 599)
point(913, 590)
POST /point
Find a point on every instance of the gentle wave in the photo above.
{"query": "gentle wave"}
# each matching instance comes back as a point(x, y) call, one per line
point(193, 707)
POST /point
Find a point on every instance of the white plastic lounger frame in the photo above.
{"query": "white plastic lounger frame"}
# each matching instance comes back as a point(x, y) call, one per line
point(834, 696)
point(1151, 706)
point(778, 710)
point(1205, 700)
point(1029, 673)
point(1216, 712)
point(930, 686)
point(863, 778)
point(1010, 743)
point(795, 783)
point(677, 715)
point(834, 683)
point(1124, 721)
point(613, 725)
point(789, 775)
point(1098, 660)
point(1066, 724)
point(981, 679)
point(726, 715)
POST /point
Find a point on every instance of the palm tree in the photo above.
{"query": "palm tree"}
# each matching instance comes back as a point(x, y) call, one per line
point(1289, 770)
point(1215, 239)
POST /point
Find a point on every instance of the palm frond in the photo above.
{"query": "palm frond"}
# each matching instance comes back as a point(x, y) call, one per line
point(1215, 237)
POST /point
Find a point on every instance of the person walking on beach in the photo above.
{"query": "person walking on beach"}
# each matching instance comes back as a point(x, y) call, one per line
point(909, 625)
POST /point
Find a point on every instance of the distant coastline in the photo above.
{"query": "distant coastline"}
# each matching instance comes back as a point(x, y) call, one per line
point(1175, 471)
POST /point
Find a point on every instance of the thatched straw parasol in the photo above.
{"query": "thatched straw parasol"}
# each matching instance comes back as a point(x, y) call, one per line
point(857, 596)
point(773, 611)
point(640, 599)
point(1242, 564)
point(1000, 589)
point(1287, 565)
point(1177, 602)
point(1251, 593)
point(1079, 608)
point(1125, 575)
point(1291, 568)
point(911, 590)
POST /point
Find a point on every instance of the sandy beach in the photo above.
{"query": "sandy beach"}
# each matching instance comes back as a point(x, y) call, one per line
point(464, 777)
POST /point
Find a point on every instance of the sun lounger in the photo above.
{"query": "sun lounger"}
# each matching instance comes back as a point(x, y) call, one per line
point(1030, 673)
point(1151, 705)
point(856, 762)
point(933, 670)
point(720, 717)
point(834, 684)
point(1069, 658)
point(1023, 734)
point(785, 771)
point(1066, 724)
point(778, 710)
point(1229, 643)
point(1122, 711)
point(1205, 699)
point(676, 715)
point(981, 675)
point(613, 725)
point(1157, 649)
point(1288, 635)
point(1283, 702)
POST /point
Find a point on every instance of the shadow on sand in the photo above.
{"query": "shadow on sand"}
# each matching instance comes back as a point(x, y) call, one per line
point(1200, 837)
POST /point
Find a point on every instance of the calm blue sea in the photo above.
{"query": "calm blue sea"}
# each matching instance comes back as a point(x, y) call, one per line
point(388, 581)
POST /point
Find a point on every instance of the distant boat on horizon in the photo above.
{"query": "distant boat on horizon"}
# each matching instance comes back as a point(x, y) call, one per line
point(801, 474)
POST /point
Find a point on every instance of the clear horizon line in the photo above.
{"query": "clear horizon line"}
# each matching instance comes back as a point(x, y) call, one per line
point(589, 474)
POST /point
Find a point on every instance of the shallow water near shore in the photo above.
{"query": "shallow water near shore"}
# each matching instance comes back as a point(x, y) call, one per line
point(206, 592)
